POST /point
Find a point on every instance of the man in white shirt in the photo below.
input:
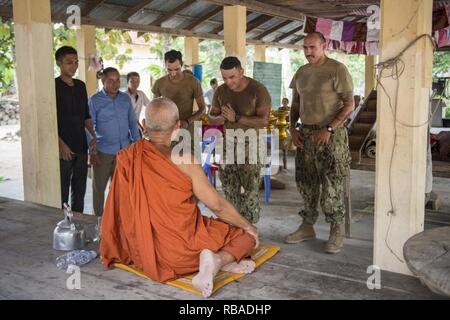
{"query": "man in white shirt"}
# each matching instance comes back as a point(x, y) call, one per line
point(138, 97)
point(209, 95)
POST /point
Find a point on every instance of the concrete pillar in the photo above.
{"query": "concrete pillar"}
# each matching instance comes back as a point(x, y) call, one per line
point(40, 155)
point(370, 75)
point(191, 51)
point(260, 53)
point(87, 48)
point(235, 27)
point(401, 179)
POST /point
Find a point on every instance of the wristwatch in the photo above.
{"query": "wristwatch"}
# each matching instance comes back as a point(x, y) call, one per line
point(330, 129)
point(237, 117)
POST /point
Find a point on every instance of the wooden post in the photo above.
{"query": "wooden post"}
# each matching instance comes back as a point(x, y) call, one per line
point(260, 53)
point(370, 75)
point(86, 49)
point(40, 155)
point(235, 27)
point(191, 51)
point(403, 180)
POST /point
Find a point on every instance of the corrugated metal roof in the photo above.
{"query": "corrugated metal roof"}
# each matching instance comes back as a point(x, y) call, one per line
point(112, 10)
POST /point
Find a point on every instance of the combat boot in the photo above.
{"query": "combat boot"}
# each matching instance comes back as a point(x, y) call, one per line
point(304, 232)
point(336, 240)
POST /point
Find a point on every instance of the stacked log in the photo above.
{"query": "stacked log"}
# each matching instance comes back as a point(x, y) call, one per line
point(9, 112)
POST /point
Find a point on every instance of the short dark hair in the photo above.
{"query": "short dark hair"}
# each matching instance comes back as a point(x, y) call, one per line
point(230, 63)
point(108, 70)
point(172, 56)
point(132, 74)
point(319, 35)
point(213, 81)
point(63, 51)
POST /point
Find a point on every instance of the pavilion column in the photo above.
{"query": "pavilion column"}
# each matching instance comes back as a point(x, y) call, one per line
point(235, 27)
point(191, 51)
point(86, 49)
point(370, 75)
point(39, 130)
point(260, 53)
point(409, 157)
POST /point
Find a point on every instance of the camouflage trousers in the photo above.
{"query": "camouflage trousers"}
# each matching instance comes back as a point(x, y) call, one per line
point(240, 184)
point(320, 172)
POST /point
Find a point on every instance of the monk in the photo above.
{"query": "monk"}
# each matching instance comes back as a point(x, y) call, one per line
point(151, 219)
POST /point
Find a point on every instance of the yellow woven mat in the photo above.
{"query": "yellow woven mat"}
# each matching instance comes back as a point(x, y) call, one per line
point(260, 255)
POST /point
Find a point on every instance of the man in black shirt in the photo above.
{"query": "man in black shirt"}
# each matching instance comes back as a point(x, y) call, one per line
point(73, 118)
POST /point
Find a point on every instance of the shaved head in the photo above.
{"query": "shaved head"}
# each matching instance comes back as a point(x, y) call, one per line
point(315, 35)
point(161, 115)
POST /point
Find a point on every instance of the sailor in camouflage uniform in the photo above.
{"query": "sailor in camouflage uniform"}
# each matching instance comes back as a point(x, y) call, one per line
point(241, 104)
point(322, 100)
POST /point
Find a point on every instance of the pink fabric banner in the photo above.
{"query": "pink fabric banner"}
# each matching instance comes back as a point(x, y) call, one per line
point(324, 26)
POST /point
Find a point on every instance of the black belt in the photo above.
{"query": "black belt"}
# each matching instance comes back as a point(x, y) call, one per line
point(312, 126)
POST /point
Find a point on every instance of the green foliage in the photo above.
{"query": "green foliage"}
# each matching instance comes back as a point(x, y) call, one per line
point(160, 44)
point(7, 63)
point(441, 64)
point(63, 37)
point(211, 55)
point(107, 46)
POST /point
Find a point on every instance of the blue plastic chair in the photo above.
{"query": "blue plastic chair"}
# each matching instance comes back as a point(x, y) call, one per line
point(267, 168)
point(208, 144)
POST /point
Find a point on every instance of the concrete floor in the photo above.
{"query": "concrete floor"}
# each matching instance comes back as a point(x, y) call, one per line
point(299, 271)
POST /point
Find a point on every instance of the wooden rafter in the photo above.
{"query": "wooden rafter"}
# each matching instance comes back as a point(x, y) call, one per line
point(171, 31)
point(133, 10)
point(273, 29)
point(255, 23)
point(268, 9)
point(204, 18)
point(297, 39)
point(288, 34)
point(91, 5)
point(171, 13)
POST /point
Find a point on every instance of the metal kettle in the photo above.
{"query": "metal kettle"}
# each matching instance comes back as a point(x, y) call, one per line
point(68, 234)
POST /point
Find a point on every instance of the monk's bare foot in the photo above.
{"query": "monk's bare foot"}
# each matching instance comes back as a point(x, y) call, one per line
point(209, 266)
point(245, 266)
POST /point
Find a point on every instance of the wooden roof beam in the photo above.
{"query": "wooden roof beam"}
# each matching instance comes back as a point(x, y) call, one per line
point(297, 39)
point(288, 34)
point(273, 29)
point(172, 13)
point(204, 18)
point(91, 5)
point(264, 8)
point(120, 25)
point(133, 10)
point(255, 23)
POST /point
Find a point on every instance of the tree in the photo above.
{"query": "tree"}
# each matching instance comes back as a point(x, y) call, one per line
point(441, 64)
point(160, 44)
point(211, 55)
point(7, 43)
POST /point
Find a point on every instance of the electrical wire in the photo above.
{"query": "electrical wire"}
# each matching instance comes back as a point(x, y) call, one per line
point(395, 67)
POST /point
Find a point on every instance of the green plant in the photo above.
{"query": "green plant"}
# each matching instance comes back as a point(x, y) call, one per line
point(7, 61)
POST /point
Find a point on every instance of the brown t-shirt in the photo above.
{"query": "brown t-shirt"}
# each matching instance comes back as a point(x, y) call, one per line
point(182, 93)
point(245, 103)
point(319, 88)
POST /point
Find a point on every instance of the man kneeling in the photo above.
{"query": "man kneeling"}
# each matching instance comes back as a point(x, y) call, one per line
point(151, 219)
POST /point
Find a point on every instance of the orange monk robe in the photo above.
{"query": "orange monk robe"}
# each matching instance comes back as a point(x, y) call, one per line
point(151, 219)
